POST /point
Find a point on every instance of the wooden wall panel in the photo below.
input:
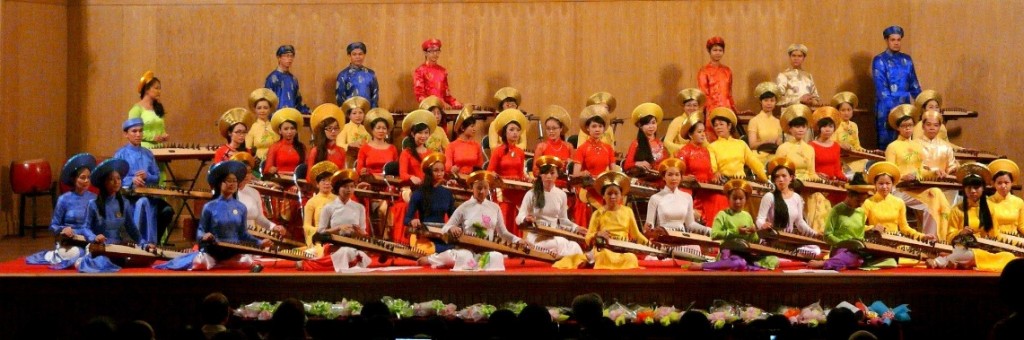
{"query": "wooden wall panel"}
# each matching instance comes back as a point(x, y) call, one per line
point(211, 54)
point(35, 89)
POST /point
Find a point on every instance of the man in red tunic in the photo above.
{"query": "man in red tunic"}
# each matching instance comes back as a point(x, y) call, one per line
point(431, 79)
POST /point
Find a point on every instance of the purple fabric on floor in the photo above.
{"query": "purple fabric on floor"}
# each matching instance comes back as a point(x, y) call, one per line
point(843, 259)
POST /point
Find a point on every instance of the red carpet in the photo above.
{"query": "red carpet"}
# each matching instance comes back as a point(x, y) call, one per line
point(513, 267)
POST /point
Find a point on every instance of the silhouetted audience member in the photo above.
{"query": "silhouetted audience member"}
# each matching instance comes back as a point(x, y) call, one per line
point(289, 321)
point(840, 324)
point(136, 330)
point(99, 328)
point(587, 308)
point(375, 308)
point(863, 335)
point(503, 325)
point(1010, 283)
point(535, 323)
point(694, 325)
point(214, 313)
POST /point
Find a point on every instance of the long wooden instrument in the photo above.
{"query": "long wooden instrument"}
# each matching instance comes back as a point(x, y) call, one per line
point(675, 252)
point(230, 249)
point(976, 155)
point(372, 245)
point(951, 113)
point(642, 189)
point(170, 192)
point(542, 228)
point(1012, 238)
point(740, 245)
point(679, 237)
point(900, 240)
point(795, 238)
point(494, 243)
point(875, 155)
point(925, 183)
point(643, 174)
point(990, 245)
point(874, 249)
point(170, 152)
point(263, 233)
point(821, 185)
point(74, 241)
point(131, 255)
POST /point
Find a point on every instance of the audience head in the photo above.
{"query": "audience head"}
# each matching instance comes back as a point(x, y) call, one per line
point(215, 309)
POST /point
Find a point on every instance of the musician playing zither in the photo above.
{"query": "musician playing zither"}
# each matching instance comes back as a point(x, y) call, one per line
point(251, 198)
point(672, 208)
point(794, 122)
point(592, 158)
point(70, 212)
point(326, 122)
point(153, 214)
point(698, 168)
point(886, 212)
point(508, 160)
point(508, 98)
point(692, 101)
point(846, 221)
point(109, 216)
point(321, 173)
point(417, 126)
point(372, 157)
point(431, 202)
point(728, 154)
point(547, 204)
point(354, 134)
point(611, 221)
point(234, 126)
point(928, 101)
point(343, 216)
point(479, 217)
point(438, 140)
point(909, 156)
point(464, 154)
point(847, 132)
point(223, 218)
point(556, 121)
point(1007, 208)
point(647, 150)
point(827, 152)
point(262, 135)
point(784, 208)
point(600, 104)
point(977, 221)
point(736, 222)
point(286, 154)
point(764, 128)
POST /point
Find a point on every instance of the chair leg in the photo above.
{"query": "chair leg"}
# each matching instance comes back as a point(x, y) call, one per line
point(34, 219)
point(21, 216)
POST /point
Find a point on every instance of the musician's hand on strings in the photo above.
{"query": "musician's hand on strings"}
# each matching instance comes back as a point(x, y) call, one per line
point(529, 219)
point(455, 231)
point(208, 237)
point(139, 181)
point(415, 223)
point(582, 174)
point(271, 170)
point(101, 238)
point(455, 170)
point(363, 185)
point(415, 180)
point(879, 228)
point(67, 231)
point(266, 243)
point(647, 227)
point(967, 231)
point(766, 225)
point(747, 230)
point(347, 229)
point(279, 229)
point(910, 177)
point(929, 237)
point(643, 164)
point(604, 234)
point(150, 247)
point(162, 138)
point(689, 179)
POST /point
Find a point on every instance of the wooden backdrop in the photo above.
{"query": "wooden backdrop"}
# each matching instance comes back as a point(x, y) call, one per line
point(70, 68)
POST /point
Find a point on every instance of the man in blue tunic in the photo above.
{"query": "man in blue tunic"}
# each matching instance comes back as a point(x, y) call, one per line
point(153, 213)
point(284, 84)
point(895, 83)
point(356, 79)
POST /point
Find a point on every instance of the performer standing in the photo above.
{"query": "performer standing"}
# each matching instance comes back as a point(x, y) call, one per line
point(715, 79)
point(692, 101)
point(431, 79)
point(150, 110)
point(357, 80)
point(261, 134)
point(797, 85)
point(234, 126)
point(895, 82)
point(284, 83)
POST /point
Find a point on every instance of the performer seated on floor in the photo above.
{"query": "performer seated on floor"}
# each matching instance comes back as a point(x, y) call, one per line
point(846, 221)
point(343, 216)
point(547, 204)
point(223, 218)
point(69, 213)
point(430, 203)
point(972, 217)
point(151, 213)
point(736, 222)
point(611, 220)
point(252, 199)
point(109, 214)
point(479, 217)
point(321, 174)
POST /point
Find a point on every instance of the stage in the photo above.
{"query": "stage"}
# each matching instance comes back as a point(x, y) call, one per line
point(944, 303)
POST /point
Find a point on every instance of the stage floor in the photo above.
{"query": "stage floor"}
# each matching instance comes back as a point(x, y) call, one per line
point(939, 299)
